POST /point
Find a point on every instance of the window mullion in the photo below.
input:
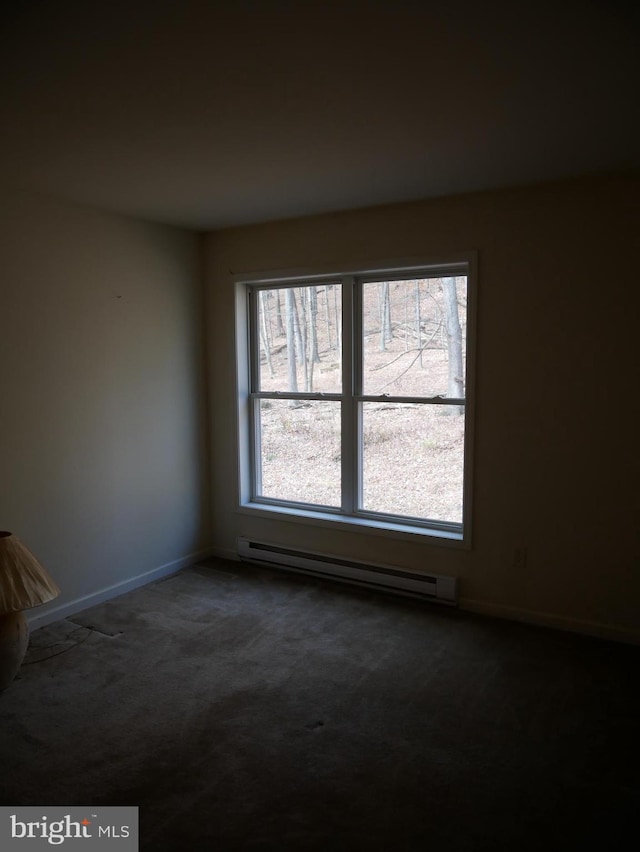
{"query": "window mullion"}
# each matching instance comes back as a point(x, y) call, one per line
point(358, 387)
point(349, 425)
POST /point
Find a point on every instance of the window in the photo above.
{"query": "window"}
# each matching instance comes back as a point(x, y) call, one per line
point(353, 398)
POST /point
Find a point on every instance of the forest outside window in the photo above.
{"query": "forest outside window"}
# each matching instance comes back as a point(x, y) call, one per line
point(356, 399)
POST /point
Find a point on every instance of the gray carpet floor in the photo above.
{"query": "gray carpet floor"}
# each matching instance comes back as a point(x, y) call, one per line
point(245, 708)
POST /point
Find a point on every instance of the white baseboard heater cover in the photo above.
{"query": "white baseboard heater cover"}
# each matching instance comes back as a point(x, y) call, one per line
point(434, 588)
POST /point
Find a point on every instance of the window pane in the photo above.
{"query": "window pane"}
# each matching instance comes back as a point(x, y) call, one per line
point(414, 336)
point(413, 460)
point(300, 336)
point(300, 451)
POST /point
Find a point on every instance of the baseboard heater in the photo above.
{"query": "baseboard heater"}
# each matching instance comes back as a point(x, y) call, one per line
point(382, 577)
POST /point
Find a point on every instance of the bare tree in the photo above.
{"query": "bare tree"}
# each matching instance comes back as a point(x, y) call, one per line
point(297, 330)
point(279, 324)
point(313, 321)
point(385, 316)
point(336, 314)
point(418, 321)
point(326, 296)
point(310, 313)
point(455, 385)
point(303, 335)
point(290, 308)
point(264, 330)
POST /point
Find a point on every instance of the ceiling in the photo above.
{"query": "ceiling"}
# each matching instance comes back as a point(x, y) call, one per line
point(212, 114)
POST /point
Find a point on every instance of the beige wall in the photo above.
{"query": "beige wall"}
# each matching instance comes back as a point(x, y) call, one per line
point(555, 449)
point(102, 457)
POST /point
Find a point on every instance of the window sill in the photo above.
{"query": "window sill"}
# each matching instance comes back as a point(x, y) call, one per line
point(388, 529)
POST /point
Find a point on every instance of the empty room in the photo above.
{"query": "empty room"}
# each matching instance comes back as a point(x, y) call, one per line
point(318, 492)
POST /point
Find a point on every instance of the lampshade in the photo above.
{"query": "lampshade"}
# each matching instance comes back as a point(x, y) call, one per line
point(23, 581)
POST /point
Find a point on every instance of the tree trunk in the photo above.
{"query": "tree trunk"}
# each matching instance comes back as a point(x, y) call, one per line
point(385, 316)
point(419, 322)
point(312, 335)
point(326, 297)
point(455, 386)
point(264, 331)
point(337, 313)
point(290, 307)
point(297, 333)
point(279, 323)
point(303, 326)
point(313, 319)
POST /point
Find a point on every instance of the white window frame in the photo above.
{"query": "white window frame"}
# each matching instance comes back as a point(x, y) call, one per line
point(348, 516)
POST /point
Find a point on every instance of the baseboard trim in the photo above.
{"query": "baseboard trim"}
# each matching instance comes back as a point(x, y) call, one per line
point(544, 619)
point(510, 613)
point(37, 619)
